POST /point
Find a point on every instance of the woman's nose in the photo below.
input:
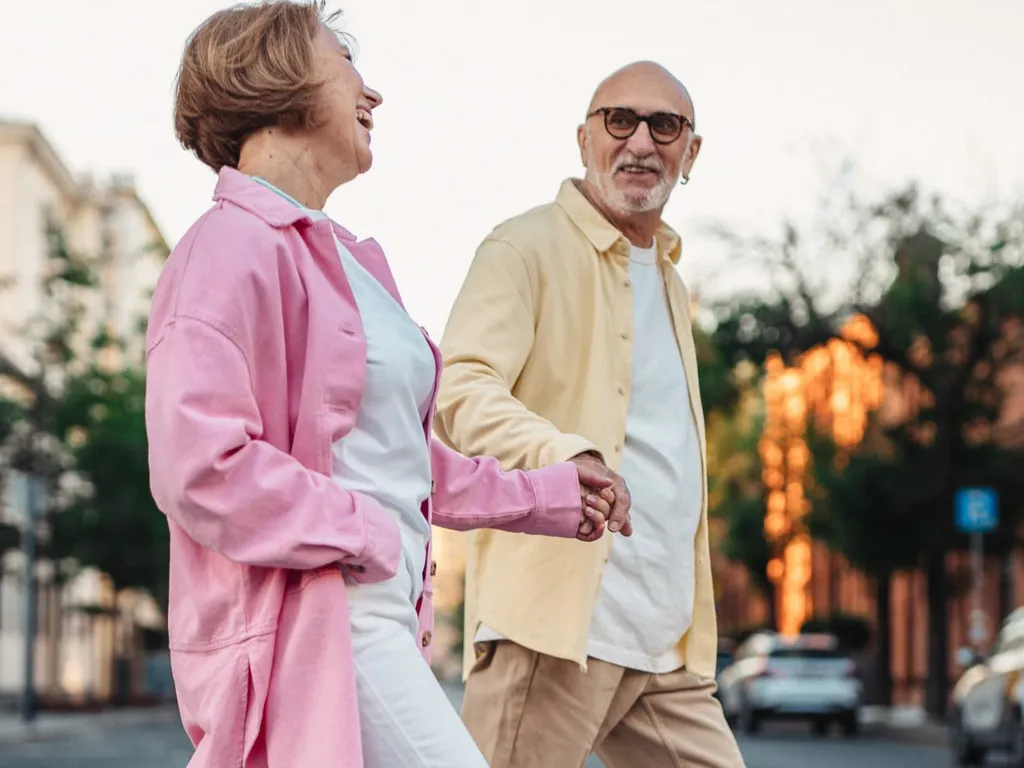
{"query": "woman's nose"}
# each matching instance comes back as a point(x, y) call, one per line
point(373, 96)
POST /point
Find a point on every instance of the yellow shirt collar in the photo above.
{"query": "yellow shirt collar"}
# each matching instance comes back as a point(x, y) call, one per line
point(602, 234)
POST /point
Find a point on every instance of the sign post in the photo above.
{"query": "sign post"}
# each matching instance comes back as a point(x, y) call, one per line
point(33, 510)
point(977, 513)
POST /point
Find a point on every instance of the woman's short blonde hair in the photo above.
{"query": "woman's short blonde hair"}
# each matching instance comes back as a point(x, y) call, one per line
point(245, 68)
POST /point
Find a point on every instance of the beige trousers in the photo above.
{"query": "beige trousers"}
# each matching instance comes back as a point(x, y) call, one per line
point(527, 710)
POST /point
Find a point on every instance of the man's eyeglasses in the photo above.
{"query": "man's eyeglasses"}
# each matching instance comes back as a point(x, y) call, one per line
point(622, 122)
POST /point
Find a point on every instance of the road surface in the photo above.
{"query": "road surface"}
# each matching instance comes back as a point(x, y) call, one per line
point(163, 745)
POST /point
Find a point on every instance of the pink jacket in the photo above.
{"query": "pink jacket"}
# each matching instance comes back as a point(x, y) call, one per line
point(257, 361)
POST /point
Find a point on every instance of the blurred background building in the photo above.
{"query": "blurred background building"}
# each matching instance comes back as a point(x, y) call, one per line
point(82, 624)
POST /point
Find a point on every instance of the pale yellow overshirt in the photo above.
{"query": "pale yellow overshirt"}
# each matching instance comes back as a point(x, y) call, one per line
point(538, 360)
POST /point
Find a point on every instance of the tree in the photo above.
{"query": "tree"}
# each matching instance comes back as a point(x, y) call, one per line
point(945, 296)
point(112, 523)
point(861, 511)
point(736, 493)
point(10, 536)
point(77, 421)
point(35, 377)
point(30, 382)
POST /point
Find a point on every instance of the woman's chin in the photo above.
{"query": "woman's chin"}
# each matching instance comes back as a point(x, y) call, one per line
point(365, 159)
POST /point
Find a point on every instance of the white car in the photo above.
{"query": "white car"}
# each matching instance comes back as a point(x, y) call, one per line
point(806, 678)
point(988, 700)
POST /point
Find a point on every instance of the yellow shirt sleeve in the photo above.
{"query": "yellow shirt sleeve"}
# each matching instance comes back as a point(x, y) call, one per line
point(486, 343)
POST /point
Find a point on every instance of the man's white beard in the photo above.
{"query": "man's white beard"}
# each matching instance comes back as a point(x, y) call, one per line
point(652, 199)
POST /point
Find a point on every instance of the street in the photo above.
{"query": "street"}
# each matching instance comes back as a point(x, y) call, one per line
point(153, 745)
point(163, 745)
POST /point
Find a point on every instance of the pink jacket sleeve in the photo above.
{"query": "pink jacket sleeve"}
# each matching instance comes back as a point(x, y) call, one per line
point(476, 493)
point(234, 493)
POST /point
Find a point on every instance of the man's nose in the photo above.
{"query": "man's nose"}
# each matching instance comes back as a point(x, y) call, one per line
point(641, 143)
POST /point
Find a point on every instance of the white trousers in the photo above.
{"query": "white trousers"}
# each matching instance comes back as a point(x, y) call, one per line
point(405, 717)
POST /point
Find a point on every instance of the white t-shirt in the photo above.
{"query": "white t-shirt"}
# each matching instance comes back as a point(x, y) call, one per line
point(386, 455)
point(646, 600)
point(645, 604)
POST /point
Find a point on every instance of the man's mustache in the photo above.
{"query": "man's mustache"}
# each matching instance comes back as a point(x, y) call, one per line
point(638, 163)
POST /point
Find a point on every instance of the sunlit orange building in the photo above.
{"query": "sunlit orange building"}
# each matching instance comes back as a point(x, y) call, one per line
point(834, 388)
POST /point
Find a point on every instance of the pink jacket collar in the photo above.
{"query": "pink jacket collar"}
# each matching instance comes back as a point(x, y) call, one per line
point(236, 188)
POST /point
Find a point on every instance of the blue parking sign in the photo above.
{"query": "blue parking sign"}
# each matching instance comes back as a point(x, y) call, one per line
point(977, 510)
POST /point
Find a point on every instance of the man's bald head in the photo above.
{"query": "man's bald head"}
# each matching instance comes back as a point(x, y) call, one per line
point(631, 171)
point(642, 78)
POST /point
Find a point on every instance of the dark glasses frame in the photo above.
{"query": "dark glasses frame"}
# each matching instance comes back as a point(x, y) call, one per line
point(682, 123)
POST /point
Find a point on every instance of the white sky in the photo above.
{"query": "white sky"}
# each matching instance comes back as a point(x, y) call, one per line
point(482, 99)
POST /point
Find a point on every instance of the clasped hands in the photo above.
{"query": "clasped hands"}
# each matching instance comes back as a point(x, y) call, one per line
point(604, 497)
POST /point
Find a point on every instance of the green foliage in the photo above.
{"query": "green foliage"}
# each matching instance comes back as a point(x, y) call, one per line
point(10, 414)
point(114, 526)
point(719, 387)
point(10, 538)
point(864, 508)
point(28, 434)
point(853, 632)
point(80, 426)
point(945, 294)
point(735, 491)
point(946, 297)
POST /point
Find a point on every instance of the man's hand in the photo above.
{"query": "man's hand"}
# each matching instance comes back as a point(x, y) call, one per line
point(596, 501)
point(605, 498)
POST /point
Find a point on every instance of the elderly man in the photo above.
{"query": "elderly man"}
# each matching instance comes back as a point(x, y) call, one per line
point(571, 338)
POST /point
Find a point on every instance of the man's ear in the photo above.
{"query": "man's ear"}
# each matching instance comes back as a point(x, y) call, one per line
point(691, 153)
point(581, 139)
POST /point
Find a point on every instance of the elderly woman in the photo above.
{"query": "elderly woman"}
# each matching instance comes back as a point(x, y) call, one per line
point(288, 410)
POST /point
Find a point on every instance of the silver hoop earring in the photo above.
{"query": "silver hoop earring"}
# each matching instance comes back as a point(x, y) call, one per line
point(684, 180)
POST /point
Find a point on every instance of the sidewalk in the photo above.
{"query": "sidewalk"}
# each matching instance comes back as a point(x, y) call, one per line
point(930, 734)
point(49, 725)
point(895, 725)
point(908, 725)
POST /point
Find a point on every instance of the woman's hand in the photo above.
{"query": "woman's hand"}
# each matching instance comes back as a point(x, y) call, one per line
point(596, 508)
point(604, 500)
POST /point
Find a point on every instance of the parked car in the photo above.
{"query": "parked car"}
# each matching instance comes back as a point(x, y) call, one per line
point(988, 699)
point(725, 658)
point(807, 677)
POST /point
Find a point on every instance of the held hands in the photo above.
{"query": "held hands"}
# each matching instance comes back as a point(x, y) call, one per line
point(605, 499)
